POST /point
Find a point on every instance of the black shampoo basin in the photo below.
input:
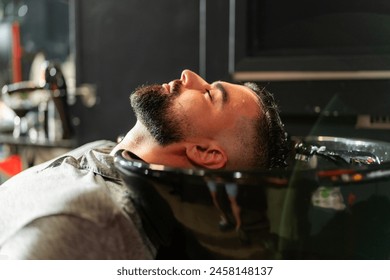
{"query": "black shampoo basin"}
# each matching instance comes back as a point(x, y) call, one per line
point(331, 202)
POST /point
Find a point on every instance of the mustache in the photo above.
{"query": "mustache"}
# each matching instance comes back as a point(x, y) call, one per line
point(144, 89)
point(176, 85)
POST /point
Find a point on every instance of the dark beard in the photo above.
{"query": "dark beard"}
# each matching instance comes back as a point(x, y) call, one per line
point(152, 107)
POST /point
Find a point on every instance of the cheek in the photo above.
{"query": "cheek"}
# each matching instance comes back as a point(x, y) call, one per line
point(202, 123)
point(189, 115)
point(191, 108)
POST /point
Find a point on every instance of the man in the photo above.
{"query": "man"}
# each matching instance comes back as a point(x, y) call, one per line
point(77, 207)
point(190, 122)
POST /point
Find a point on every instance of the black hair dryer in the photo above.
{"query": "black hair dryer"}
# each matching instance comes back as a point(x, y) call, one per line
point(48, 98)
point(59, 108)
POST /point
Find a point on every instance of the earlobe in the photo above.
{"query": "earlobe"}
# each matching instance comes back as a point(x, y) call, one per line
point(211, 157)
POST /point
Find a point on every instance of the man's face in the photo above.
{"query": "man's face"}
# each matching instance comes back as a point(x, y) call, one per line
point(190, 108)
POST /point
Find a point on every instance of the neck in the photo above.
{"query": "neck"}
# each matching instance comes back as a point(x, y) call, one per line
point(140, 142)
point(136, 140)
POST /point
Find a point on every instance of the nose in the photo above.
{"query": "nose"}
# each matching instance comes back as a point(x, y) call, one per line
point(192, 80)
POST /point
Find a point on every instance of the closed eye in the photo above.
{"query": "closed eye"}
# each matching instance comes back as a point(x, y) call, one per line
point(209, 94)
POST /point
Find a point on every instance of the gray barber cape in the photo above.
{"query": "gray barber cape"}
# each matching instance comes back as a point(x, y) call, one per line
point(73, 207)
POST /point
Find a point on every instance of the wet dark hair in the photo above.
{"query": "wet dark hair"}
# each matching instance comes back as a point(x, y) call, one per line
point(271, 146)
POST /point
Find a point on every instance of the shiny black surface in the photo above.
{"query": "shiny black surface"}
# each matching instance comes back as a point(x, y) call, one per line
point(332, 202)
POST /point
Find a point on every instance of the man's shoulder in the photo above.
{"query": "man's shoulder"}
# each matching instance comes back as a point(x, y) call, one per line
point(92, 157)
point(69, 184)
point(101, 145)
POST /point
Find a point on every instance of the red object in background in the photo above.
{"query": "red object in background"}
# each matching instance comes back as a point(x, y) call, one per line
point(11, 166)
point(16, 53)
point(351, 199)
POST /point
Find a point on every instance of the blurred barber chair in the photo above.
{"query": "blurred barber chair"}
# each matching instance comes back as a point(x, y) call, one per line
point(331, 202)
point(47, 99)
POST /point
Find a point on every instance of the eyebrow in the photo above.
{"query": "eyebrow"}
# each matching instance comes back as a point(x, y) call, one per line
point(225, 95)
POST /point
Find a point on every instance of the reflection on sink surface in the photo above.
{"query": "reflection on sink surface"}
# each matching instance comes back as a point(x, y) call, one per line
point(332, 202)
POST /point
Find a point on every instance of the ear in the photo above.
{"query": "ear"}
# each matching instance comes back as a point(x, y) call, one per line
point(207, 156)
